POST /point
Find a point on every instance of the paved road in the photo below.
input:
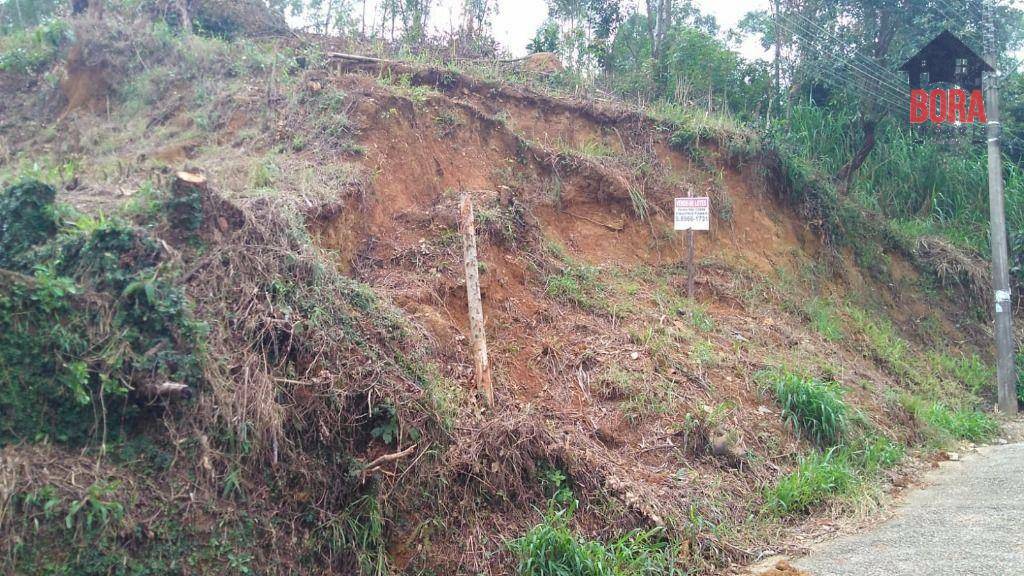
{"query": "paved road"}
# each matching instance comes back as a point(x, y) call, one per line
point(969, 521)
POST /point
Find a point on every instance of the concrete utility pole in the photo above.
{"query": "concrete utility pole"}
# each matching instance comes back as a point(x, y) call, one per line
point(1006, 378)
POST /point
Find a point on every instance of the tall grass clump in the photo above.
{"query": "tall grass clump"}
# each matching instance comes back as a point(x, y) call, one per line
point(883, 341)
point(818, 477)
point(824, 319)
point(814, 408)
point(551, 549)
point(960, 424)
point(872, 453)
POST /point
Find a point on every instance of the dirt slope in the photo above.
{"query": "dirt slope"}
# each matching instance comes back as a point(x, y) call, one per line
point(603, 368)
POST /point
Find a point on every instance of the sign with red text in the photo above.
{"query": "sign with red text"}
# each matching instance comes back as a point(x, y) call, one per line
point(693, 213)
point(947, 106)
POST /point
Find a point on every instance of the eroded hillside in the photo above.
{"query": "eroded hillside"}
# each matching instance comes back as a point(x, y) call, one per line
point(334, 428)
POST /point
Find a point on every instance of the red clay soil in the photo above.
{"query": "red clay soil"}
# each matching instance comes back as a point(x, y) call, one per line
point(520, 153)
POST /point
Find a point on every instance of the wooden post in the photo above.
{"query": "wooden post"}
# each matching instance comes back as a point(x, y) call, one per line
point(482, 369)
point(689, 264)
point(689, 256)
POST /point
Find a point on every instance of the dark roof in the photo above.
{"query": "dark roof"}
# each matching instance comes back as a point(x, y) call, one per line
point(946, 46)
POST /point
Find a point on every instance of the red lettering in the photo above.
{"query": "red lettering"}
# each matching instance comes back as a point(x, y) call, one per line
point(918, 106)
point(937, 101)
point(976, 111)
point(957, 111)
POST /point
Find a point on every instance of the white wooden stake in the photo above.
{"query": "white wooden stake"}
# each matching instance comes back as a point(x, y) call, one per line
point(482, 368)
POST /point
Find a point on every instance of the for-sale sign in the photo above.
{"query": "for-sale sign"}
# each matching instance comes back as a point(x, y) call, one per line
point(693, 213)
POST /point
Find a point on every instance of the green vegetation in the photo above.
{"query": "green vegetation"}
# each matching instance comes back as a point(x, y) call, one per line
point(824, 319)
point(551, 549)
point(575, 282)
point(62, 377)
point(32, 50)
point(882, 340)
point(80, 535)
point(871, 453)
point(307, 377)
point(945, 424)
point(969, 370)
point(817, 478)
point(29, 219)
point(812, 407)
point(892, 181)
point(823, 476)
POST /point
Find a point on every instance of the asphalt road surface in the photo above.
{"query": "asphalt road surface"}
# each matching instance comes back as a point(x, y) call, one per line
point(968, 521)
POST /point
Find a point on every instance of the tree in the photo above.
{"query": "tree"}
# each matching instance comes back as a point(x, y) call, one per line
point(546, 38)
point(580, 30)
point(22, 14)
point(659, 20)
point(476, 18)
point(323, 16)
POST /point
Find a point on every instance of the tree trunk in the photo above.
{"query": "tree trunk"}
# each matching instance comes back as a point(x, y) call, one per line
point(186, 21)
point(845, 174)
point(883, 41)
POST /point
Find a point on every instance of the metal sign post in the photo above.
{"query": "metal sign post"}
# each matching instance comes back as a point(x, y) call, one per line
point(692, 213)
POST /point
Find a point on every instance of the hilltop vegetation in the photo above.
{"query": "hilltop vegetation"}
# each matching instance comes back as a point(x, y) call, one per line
point(309, 294)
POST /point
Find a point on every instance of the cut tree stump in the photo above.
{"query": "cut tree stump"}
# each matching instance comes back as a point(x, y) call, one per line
point(189, 193)
point(482, 368)
point(187, 182)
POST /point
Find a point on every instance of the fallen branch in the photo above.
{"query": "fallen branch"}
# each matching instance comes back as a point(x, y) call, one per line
point(164, 391)
point(380, 461)
point(358, 58)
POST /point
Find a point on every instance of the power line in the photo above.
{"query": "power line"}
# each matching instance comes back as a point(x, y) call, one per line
point(890, 96)
point(848, 59)
point(873, 70)
point(882, 98)
point(882, 73)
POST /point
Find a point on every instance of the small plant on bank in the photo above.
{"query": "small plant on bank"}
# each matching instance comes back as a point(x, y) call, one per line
point(817, 478)
point(873, 452)
point(552, 549)
point(824, 319)
point(959, 423)
point(814, 408)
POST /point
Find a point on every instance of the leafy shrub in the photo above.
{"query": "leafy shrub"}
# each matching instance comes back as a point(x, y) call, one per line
point(99, 316)
point(551, 549)
point(27, 219)
point(818, 477)
point(31, 51)
point(813, 408)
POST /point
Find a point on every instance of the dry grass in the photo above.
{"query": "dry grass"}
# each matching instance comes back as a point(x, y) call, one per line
point(955, 268)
